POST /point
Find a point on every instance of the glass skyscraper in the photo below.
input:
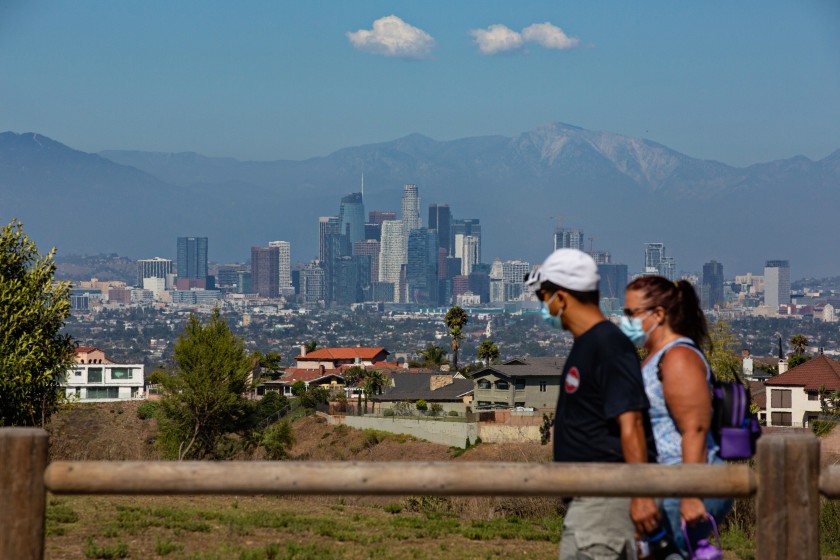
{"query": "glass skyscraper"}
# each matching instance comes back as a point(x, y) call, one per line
point(192, 257)
point(351, 217)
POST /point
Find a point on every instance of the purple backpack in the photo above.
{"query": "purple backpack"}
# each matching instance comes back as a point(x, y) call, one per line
point(734, 427)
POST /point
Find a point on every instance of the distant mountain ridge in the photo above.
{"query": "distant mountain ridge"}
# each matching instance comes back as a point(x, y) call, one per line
point(622, 191)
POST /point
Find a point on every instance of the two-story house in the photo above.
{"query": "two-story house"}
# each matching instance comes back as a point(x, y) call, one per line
point(792, 398)
point(334, 358)
point(522, 382)
point(94, 377)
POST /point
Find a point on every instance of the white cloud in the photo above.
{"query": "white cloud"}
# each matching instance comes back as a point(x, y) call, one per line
point(549, 36)
point(391, 36)
point(497, 38)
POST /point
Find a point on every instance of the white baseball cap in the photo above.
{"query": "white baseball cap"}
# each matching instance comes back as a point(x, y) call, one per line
point(567, 268)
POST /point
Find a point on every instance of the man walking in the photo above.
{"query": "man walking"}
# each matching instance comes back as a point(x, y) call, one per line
point(602, 410)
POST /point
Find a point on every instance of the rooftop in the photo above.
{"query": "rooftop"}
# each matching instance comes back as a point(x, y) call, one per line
point(814, 374)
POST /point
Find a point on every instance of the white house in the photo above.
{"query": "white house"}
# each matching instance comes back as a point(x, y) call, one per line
point(793, 396)
point(95, 378)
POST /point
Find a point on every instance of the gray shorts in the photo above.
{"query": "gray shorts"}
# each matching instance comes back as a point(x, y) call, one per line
point(598, 529)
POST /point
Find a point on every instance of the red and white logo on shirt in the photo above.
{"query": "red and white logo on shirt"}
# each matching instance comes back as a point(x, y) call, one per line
point(572, 380)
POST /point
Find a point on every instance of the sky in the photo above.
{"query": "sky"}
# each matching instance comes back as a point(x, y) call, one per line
point(739, 82)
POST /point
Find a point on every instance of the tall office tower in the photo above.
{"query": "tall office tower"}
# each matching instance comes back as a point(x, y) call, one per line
point(364, 280)
point(265, 271)
point(369, 248)
point(711, 290)
point(601, 257)
point(312, 284)
point(470, 253)
point(373, 232)
point(668, 268)
point(410, 208)
point(469, 226)
point(153, 268)
point(284, 266)
point(346, 287)
point(327, 225)
point(776, 283)
point(479, 282)
point(336, 246)
point(612, 284)
point(513, 275)
point(422, 267)
point(351, 217)
point(440, 219)
point(453, 267)
point(392, 254)
point(654, 253)
point(569, 238)
point(192, 257)
point(379, 216)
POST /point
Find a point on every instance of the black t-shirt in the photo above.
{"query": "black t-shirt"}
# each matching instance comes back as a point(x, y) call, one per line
point(601, 380)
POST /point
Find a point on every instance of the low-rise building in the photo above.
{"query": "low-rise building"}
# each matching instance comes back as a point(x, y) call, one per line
point(95, 378)
point(519, 383)
point(334, 358)
point(793, 397)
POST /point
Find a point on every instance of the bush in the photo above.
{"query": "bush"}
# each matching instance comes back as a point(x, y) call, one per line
point(147, 410)
point(822, 427)
point(421, 405)
point(277, 439)
point(453, 413)
point(389, 412)
point(435, 409)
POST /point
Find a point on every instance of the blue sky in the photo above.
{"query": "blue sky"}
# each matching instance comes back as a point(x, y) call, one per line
point(740, 82)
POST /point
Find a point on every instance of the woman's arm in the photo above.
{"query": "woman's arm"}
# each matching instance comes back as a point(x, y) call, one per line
point(687, 395)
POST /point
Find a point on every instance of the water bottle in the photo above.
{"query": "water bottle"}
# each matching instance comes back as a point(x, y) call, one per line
point(662, 546)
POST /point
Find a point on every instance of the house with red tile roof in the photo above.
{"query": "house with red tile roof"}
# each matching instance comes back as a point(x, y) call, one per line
point(333, 358)
point(792, 398)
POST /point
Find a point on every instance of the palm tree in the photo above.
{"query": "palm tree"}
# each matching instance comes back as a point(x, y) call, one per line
point(455, 320)
point(488, 351)
point(799, 343)
point(433, 355)
point(377, 380)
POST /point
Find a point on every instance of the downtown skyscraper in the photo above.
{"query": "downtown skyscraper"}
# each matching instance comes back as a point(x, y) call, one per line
point(410, 208)
point(351, 217)
point(284, 272)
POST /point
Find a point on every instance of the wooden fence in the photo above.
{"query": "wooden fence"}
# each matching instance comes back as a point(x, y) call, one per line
point(787, 484)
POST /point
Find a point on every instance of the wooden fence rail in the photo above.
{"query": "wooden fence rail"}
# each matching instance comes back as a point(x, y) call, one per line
point(786, 484)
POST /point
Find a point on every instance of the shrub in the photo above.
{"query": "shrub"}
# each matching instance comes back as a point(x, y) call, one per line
point(453, 413)
point(822, 427)
point(147, 410)
point(389, 412)
point(277, 439)
point(435, 409)
point(421, 405)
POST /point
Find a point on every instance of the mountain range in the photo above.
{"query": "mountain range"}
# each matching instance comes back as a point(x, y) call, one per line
point(622, 191)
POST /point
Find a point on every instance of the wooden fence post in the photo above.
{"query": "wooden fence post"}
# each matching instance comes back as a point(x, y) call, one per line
point(788, 499)
point(23, 452)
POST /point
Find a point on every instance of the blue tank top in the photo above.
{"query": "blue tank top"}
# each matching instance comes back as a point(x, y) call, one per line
point(667, 436)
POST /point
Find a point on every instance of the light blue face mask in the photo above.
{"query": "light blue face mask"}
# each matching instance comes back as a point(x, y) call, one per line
point(632, 328)
point(552, 320)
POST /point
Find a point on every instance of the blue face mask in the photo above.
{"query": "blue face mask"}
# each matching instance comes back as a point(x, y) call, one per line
point(552, 320)
point(632, 328)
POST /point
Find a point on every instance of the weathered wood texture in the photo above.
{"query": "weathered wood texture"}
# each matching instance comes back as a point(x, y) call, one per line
point(830, 481)
point(23, 456)
point(788, 501)
point(399, 478)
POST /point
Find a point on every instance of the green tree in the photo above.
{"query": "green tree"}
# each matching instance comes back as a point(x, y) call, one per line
point(433, 356)
point(378, 381)
point(722, 352)
point(265, 364)
point(203, 398)
point(277, 439)
point(298, 388)
point(310, 346)
point(421, 405)
point(488, 351)
point(353, 375)
point(34, 355)
point(798, 357)
point(456, 318)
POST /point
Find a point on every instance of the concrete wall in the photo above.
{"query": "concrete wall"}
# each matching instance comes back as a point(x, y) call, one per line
point(453, 434)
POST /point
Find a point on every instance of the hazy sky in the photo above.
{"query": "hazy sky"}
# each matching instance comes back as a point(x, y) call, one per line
point(737, 81)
